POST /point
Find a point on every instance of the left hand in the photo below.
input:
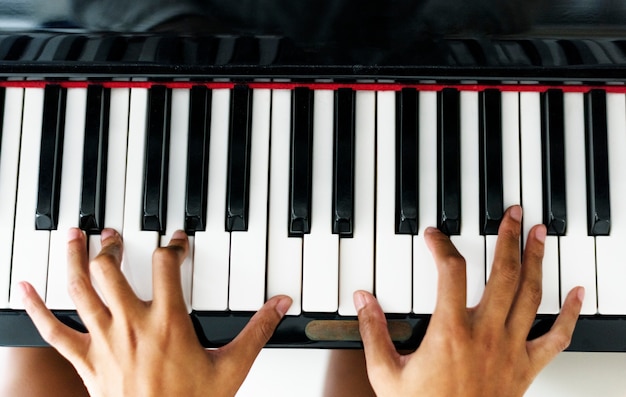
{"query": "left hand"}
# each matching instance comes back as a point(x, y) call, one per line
point(137, 348)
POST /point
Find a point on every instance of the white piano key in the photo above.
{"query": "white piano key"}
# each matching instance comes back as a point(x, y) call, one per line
point(393, 251)
point(320, 279)
point(177, 175)
point(9, 161)
point(116, 166)
point(530, 132)
point(248, 249)
point(30, 246)
point(284, 257)
point(611, 264)
point(212, 246)
point(511, 194)
point(424, 268)
point(576, 248)
point(470, 243)
point(69, 199)
point(138, 245)
point(356, 254)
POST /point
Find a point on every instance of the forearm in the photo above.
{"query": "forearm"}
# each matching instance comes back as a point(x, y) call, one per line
point(346, 375)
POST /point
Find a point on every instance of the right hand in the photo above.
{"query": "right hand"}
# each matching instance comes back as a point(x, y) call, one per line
point(480, 351)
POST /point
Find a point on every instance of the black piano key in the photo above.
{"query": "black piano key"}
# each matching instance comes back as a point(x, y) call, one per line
point(301, 169)
point(553, 156)
point(449, 159)
point(407, 125)
point(197, 159)
point(343, 168)
point(50, 161)
point(237, 190)
point(598, 205)
point(157, 156)
point(491, 183)
point(92, 200)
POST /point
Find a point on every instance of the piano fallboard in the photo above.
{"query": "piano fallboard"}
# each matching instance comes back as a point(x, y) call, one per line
point(215, 329)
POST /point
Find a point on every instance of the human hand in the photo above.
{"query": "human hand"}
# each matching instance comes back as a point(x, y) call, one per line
point(480, 351)
point(137, 348)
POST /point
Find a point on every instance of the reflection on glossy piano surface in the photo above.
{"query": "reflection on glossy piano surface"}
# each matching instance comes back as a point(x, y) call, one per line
point(312, 170)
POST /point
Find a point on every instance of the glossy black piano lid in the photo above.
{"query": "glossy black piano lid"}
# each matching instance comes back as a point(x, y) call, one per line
point(513, 39)
point(495, 59)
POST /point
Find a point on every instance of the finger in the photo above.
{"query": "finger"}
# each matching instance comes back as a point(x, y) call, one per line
point(543, 349)
point(166, 261)
point(89, 306)
point(243, 350)
point(70, 343)
point(107, 273)
point(452, 281)
point(501, 288)
point(380, 353)
point(528, 298)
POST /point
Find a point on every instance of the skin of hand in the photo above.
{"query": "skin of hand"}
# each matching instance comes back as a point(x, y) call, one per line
point(137, 348)
point(479, 351)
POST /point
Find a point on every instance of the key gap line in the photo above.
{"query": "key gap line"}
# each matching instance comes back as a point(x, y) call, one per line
point(267, 197)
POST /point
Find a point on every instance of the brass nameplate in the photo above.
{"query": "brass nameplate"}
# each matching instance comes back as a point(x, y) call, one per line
point(348, 330)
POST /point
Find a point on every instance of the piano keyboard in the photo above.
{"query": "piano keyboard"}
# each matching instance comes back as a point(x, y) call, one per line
point(314, 190)
point(318, 179)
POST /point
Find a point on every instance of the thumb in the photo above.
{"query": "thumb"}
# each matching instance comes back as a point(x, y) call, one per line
point(380, 353)
point(244, 349)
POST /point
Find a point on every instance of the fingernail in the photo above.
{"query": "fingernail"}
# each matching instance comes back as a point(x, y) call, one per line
point(283, 305)
point(74, 234)
point(516, 213)
point(540, 234)
point(581, 294)
point(179, 235)
point(23, 289)
point(430, 230)
point(106, 233)
point(360, 300)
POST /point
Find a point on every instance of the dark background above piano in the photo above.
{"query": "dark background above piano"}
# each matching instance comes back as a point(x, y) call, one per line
point(322, 21)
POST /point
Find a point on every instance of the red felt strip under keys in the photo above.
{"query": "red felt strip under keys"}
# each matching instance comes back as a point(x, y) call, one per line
point(621, 89)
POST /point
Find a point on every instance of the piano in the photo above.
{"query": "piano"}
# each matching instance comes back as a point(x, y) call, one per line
point(312, 173)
